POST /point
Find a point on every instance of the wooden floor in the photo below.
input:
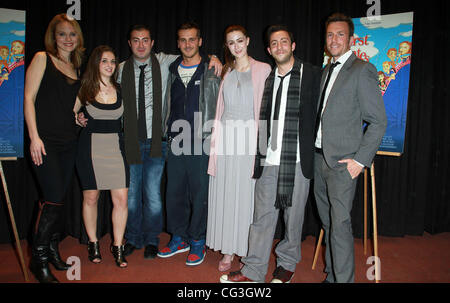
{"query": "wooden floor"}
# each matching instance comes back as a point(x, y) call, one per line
point(410, 259)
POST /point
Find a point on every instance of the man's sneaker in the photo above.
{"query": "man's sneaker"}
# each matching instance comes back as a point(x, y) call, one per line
point(197, 253)
point(281, 275)
point(175, 246)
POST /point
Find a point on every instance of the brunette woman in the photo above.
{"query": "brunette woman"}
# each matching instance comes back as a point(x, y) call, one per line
point(101, 162)
point(51, 86)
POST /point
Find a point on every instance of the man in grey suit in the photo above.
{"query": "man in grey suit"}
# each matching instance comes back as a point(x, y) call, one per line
point(350, 96)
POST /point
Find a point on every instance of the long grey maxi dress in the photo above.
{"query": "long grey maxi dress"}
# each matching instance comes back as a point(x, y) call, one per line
point(231, 191)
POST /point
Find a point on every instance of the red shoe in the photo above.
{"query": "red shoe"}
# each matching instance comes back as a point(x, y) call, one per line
point(235, 277)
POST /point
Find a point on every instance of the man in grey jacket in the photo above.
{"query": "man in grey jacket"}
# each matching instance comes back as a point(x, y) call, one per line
point(350, 96)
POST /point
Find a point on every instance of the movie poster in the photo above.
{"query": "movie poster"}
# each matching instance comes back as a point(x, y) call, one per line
point(12, 77)
point(386, 42)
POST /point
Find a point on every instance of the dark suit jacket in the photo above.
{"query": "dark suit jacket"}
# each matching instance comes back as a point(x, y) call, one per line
point(309, 95)
point(355, 97)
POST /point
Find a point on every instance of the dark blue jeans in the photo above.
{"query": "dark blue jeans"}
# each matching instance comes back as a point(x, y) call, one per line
point(144, 222)
point(187, 195)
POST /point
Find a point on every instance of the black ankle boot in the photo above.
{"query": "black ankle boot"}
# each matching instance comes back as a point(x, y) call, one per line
point(39, 265)
point(54, 256)
point(46, 225)
point(119, 258)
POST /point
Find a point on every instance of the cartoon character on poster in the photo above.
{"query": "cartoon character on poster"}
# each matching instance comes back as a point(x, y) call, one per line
point(12, 52)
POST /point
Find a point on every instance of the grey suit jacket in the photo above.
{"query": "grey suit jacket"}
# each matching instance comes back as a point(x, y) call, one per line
point(355, 97)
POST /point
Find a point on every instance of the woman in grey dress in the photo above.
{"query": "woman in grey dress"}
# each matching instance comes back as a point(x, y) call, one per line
point(100, 161)
point(233, 146)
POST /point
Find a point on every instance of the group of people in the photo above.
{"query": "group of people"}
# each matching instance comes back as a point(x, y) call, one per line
point(397, 61)
point(241, 143)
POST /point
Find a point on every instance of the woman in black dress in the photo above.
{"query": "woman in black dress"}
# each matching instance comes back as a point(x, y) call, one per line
point(51, 86)
point(100, 161)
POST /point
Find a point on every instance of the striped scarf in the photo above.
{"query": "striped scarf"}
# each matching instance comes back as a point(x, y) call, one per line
point(286, 175)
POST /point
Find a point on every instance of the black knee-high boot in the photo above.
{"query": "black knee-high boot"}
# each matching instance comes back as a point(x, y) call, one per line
point(54, 256)
point(46, 224)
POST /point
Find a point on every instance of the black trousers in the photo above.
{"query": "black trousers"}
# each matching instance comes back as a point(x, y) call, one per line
point(55, 173)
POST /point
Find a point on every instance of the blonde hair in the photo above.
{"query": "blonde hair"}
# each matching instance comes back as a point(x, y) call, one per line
point(76, 57)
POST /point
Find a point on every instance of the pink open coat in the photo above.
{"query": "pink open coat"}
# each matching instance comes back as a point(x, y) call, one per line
point(260, 71)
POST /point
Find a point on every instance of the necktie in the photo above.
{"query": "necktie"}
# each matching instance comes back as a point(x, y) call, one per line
point(142, 125)
point(322, 97)
point(276, 114)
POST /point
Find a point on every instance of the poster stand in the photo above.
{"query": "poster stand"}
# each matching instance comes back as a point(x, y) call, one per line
point(13, 222)
point(374, 214)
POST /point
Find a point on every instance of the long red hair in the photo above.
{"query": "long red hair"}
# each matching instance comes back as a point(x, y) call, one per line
point(229, 58)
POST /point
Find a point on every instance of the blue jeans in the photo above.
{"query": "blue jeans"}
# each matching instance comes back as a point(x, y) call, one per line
point(144, 222)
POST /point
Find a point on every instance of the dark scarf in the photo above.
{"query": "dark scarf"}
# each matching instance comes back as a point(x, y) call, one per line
point(286, 175)
point(130, 111)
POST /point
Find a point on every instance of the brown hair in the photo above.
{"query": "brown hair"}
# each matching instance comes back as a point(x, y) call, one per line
point(339, 17)
point(90, 82)
point(139, 27)
point(278, 28)
point(229, 59)
point(76, 56)
point(190, 25)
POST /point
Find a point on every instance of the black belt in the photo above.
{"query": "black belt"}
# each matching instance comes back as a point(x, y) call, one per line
point(104, 126)
point(319, 150)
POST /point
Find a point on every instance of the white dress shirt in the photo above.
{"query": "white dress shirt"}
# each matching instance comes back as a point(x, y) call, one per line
point(273, 157)
point(342, 59)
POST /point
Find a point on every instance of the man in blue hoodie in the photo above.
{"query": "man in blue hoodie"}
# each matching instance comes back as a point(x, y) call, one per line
point(192, 102)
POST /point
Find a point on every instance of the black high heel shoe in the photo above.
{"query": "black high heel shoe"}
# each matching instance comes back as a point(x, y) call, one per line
point(94, 252)
point(117, 252)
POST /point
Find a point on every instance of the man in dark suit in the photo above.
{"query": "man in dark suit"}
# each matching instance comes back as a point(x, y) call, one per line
point(287, 118)
point(350, 96)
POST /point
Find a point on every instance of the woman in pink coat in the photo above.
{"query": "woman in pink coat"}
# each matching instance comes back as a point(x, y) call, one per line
point(233, 147)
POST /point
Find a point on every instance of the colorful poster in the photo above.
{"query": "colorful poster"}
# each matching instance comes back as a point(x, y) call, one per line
point(386, 42)
point(12, 78)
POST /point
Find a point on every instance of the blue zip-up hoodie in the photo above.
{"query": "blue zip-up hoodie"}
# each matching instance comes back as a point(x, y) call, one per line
point(185, 100)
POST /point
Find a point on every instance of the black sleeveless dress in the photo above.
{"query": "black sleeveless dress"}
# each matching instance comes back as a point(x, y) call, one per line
point(54, 106)
point(101, 160)
point(56, 126)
